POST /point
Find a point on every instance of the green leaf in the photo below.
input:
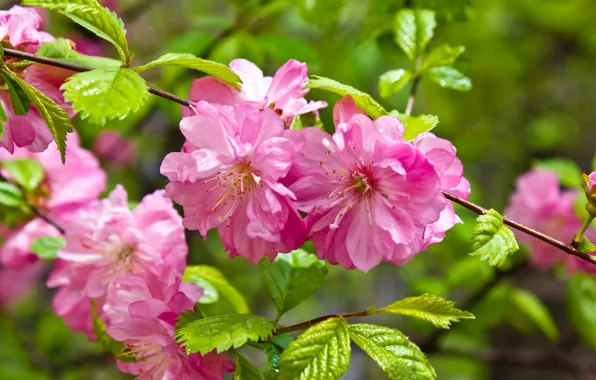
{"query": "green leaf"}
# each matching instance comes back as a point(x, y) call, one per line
point(104, 94)
point(568, 172)
point(293, 277)
point(322, 13)
point(530, 306)
point(321, 352)
point(10, 195)
point(26, 172)
point(214, 69)
point(18, 98)
point(306, 120)
point(493, 240)
point(416, 125)
point(586, 245)
point(245, 370)
point(63, 50)
point(393, 81)
point(413, 30)
point(581, 307)
point(362, 99)
point(394, 353)
point(55, 116)
point(447, 10)
point(449, 77)
point(436, 310)
point(47, 247)
point(469, 273)
point(93, 17)
point(443, 55)
point(201, 274)
point(223, 332)
point(3, 119)
point(579, 206)
point(188, 316)
point(273, 357)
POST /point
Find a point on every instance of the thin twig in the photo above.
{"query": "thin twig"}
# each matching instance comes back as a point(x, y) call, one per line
point(412, 97)
point(307, 324)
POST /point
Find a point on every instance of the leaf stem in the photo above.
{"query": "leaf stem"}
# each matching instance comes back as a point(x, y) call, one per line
point(307, 324)
point(578, 238)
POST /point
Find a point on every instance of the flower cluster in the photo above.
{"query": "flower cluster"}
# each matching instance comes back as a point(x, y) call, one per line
point(368, 194)
point(539, 203)
point(20, 28)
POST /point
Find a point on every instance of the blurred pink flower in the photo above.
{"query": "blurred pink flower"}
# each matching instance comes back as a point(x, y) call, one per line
point(370, 194)
point(16, 282)
point(539, 203)
point(147, 330)
point(227, 176)
point(283, 93)
point(19, 26)
point(114, 148)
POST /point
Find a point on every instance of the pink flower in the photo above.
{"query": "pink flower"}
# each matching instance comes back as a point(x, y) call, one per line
point(147, 330)
point(19, 26)
point(283, 93)
point(15, 283)
point(442, 154)
point(228, 177)
point(539, 203)
point(114, 148)
point(370, 194)
point(65, 189)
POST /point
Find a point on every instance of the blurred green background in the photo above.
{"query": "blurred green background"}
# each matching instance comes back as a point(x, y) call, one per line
point(532, 64)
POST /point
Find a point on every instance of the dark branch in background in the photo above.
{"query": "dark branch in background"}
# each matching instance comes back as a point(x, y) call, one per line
point(40, 214)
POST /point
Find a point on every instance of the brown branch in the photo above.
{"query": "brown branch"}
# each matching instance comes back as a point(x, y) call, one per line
point(74, 67)
point(307, 324)
point(412, 97)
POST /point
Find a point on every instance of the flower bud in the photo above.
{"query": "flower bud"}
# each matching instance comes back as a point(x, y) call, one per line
point(590, 190)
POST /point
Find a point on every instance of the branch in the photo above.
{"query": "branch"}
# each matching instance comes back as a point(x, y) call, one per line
point(412, 97)
point(307, 324)
point(74, 67)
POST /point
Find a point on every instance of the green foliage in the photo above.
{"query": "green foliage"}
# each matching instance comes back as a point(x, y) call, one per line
point(586, 245)
point(47, 247)
point(93, 17)
point(415, 125)
point(443, 55)
point(63, 50)
point(26, 172)
point(568, 172)
point(293, 277)
point(393, 81)
point(104, 340)
point(18, 98)
point(105, 94)
point(527, 307)
point(189, 61)
point(469, 273)
point(493, 240)
point(223, 332)
point(321, 352)
point(449, 77)
point(323, 13)
point(581, 307)
point(3, 119)
point(306, 120)
point(394, 353)
point(413, 30)
point(579, 206)
point(55, 117)
point(436, 310)
point(362, 99)
point(214, 281)
point(447, 10)
point(273, 357)
point(10, 195)
point(245, 370)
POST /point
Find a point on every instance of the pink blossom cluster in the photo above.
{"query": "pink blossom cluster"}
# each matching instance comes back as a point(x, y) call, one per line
point(540, 203)
point(367, 193)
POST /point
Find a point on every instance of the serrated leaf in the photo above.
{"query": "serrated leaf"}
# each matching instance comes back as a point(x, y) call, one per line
point(47, 247)
point(26, 172)
point(214, 277)
point(416, 125)
point(10, 195)
point(321, 352)
point(245, 370)
point(581, 307)
point(449, 77)
point(493, 240)
point(532, 308)
point(362, 99)
point(186, 317)
point(568, 171)
point(293, 277)
point(63, 50)
point(443, 55)
point(393, 81)
point(214, 69)
point(587, 246)
point(394, 353)
point(93, 17)
point(413, 30)
point(436, 310)
point(55, 116)
point(223, 332)
point(104, 94)
point(18, 98)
